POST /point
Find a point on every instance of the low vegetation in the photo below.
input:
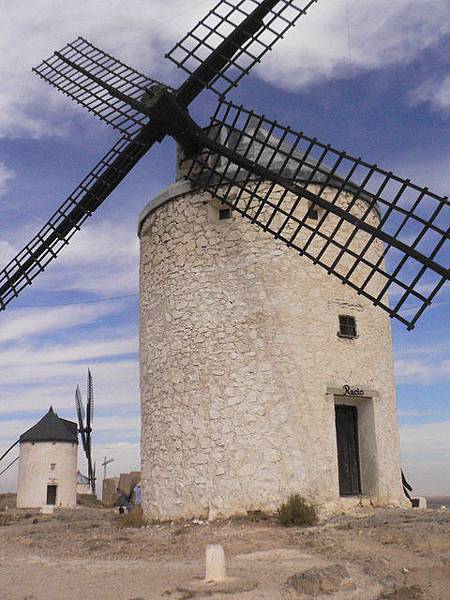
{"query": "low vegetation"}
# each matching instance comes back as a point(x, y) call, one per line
point(134, 519)
point(5, 519)
point(297, 512)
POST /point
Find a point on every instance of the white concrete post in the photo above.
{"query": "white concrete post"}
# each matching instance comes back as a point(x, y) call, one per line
point(215, 563)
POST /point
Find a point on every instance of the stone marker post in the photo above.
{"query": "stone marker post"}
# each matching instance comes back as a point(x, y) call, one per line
point(215, 563)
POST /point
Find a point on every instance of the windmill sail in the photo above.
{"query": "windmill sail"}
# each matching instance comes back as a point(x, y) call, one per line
point(81, 416)
point(86, 424)
point(125, 154)
point(248, 28)
point(89, 424)
point(393, 234)
point(62, 71)
point(274, 177)
point(66, 221)
point(90, 398)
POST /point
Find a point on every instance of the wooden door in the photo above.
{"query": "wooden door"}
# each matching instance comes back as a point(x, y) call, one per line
point(51, 494)
point(348, 450)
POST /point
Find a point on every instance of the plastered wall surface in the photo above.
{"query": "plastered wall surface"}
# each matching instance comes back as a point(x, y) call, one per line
point(35, 473)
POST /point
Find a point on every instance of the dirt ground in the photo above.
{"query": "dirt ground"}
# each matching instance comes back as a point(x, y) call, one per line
point(81, 554)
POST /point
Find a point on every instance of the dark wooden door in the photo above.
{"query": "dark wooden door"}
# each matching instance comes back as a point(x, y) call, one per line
point(51, 494)
point(348, 450)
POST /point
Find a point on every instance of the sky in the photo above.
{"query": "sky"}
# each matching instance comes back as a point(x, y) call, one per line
point(368, 76)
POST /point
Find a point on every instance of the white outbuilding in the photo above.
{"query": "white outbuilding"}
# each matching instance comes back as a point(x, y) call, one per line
point(48, 464)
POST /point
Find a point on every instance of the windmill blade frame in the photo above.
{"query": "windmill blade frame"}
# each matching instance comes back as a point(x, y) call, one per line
point(264, 160)
point(94, 477)
point(232, 38)
point(91, 475)
point(89, 424)
point(90, 399)
point(81, 417)
point(79, 69)
point(9, 449)
point(13, 462)
point(109, 172)
point(418, 271)
point(68, 218)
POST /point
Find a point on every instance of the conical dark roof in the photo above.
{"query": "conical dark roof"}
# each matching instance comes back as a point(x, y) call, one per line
point(51, 428)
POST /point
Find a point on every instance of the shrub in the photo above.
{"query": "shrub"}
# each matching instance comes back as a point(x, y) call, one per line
point(297, 512)
point(133, 519)
point(5, 519)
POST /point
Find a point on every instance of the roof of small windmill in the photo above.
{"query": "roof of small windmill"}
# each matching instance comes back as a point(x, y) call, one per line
point(51, 428)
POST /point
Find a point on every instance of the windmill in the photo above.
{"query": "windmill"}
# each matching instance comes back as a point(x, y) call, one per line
point(85, 423)
point(223, 48)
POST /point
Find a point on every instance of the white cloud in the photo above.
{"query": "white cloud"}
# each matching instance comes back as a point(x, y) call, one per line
point(422, 371)
point(7, 252)
point(102, 259)
point(85, 350)
point(33, 382)
point(436, 93)
point(139, 32)
point(377, 33)
point(426, 440)
point(423, 363)
point(60, 371)
point(5, 177)
point(38, 321)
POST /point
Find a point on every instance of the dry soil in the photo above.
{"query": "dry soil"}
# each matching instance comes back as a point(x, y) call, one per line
point(82, 555)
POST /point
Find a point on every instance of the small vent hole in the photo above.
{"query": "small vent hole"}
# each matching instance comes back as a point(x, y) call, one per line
point(224, 213)
point(313, 214)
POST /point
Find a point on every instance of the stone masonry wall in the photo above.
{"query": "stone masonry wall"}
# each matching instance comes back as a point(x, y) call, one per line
point(239, 345)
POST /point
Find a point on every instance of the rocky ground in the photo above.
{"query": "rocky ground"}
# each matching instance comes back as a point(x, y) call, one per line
point(369, 555)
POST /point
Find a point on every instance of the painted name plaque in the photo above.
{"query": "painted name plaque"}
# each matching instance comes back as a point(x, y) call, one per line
point(348, 391)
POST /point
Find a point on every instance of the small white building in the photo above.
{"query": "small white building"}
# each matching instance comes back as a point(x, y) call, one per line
point(48, 464)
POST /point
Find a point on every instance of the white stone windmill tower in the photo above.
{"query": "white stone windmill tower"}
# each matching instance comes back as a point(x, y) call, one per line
point(48, 463)
point(260, 373)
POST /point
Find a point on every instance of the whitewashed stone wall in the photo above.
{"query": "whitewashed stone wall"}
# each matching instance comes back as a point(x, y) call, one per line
point(239, 352)
point(35, 473)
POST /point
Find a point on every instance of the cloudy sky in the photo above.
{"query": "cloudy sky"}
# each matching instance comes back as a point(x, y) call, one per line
point(368, 76)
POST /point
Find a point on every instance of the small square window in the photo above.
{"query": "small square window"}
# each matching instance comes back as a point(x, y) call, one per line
point(347, 326)
point(52, 466)
point(224, 213)
point(312, 213)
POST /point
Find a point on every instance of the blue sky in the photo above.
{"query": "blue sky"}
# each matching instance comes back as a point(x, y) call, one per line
point(369, 76)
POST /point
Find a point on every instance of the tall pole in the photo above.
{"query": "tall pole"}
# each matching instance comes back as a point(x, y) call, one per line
point(105, 463)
